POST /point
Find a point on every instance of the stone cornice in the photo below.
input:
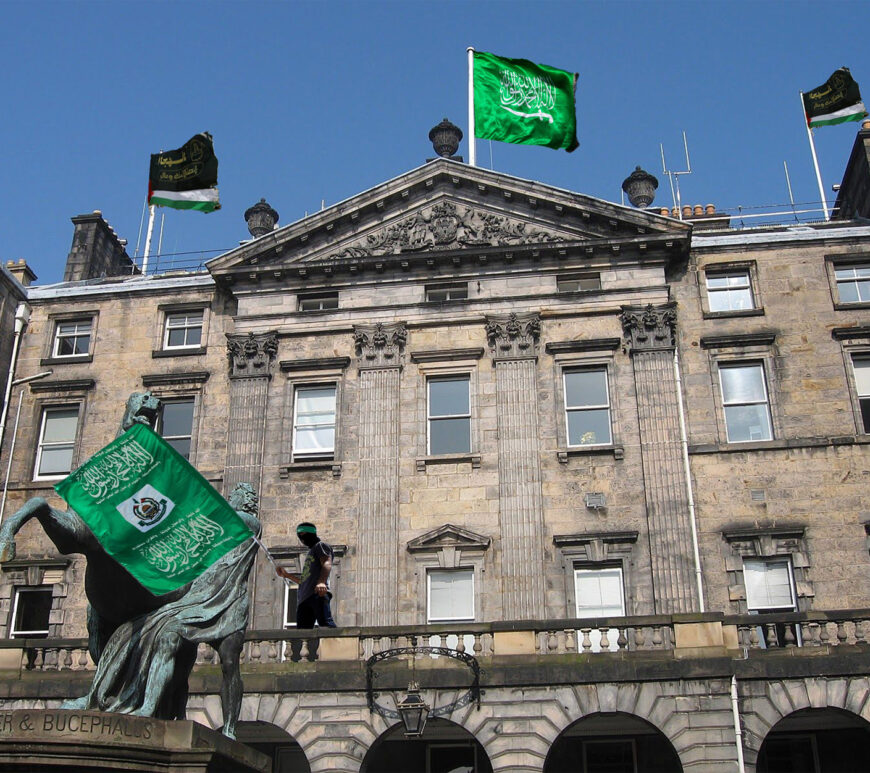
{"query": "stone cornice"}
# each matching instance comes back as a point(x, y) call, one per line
point(590, 345)
point(735, 340)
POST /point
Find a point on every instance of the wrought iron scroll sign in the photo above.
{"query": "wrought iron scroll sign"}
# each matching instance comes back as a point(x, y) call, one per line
point(471, 695)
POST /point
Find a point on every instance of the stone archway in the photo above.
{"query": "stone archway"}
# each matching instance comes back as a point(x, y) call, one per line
point(444, 747)
point(612, 742)
point(823, 740)
point(276, 743)
point(765, 704)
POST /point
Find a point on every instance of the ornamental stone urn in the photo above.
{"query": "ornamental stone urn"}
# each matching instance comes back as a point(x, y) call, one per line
point(261, 218)
point(445, 138)
point(640, 187)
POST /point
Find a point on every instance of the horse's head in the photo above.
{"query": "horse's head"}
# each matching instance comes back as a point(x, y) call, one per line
point(141, 408)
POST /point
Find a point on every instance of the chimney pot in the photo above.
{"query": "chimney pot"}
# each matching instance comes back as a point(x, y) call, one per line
point(710, 209)
point(698, 210)
point(687, 210)
point(665, 211)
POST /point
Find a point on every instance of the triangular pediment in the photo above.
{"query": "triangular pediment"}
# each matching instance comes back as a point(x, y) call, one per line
point(444, 207)
point(448, 536)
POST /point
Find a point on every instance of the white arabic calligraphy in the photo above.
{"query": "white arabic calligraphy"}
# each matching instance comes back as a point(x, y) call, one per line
point(184, 544)
point(527, 91)
point(122, 464)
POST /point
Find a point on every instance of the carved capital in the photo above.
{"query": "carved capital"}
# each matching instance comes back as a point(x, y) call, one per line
point(650, 329)
point(380, 345)
point(514, 335)
point(251, 355)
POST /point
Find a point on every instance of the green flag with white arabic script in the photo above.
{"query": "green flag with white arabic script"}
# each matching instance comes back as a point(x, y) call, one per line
point(152, 511)
point(518, 101)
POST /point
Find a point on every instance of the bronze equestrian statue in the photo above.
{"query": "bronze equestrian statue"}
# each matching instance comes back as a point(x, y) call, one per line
point(145, 645)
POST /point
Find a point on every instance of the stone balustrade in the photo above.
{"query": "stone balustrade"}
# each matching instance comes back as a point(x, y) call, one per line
point(682, 635)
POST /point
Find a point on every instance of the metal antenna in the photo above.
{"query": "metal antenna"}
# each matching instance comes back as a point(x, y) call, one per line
point(674, 177)
point(790, 195)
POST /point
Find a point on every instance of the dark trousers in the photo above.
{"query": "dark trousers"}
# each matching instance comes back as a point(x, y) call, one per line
point(314, 609)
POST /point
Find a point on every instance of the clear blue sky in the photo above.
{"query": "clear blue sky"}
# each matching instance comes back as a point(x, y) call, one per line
point(316, 101)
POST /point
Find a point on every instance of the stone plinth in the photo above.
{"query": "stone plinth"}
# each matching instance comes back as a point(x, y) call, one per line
point(68, 741)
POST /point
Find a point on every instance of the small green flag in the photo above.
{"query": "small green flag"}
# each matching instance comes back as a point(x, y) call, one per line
point(518, 101)
point(152, 511)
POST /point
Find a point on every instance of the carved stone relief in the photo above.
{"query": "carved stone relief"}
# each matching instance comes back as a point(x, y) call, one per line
point(447, 226)
point(251, 355)
point(380, 345)
point(513, 335)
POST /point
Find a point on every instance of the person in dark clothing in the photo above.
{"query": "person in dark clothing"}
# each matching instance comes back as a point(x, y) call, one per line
point(312, 596)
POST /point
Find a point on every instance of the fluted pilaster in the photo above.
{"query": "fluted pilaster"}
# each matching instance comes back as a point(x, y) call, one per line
point(379, 350)
point(513, 345)
point(651, 335)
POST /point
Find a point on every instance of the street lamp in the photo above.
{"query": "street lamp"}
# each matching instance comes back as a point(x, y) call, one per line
point(414, 711)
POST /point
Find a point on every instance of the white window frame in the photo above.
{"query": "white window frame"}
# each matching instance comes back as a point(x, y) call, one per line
point(770, 561)
point(587, 406)
point(466, 377)
point(19, 592)
point(78, 332)
point(852, 273)
point(319, 453)
point(458, 291)
point(289, 619)
point(745, 364)
point(730, 291)
point(464, 570)
point(41, 445)
point(317, 301)
point(862, 395)
point(189, 321)
point(589, 612)
point(176, 400)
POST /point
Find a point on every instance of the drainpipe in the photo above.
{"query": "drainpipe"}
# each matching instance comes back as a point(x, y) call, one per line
point(738, 733)
point(22, 317)
point(684, 444)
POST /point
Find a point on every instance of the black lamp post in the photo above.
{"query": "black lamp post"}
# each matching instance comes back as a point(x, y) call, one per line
point(414, 711)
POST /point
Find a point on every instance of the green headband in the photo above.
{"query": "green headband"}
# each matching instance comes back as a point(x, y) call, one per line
point(306, 529)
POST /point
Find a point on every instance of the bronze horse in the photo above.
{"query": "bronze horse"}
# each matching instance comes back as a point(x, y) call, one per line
point(145, 645)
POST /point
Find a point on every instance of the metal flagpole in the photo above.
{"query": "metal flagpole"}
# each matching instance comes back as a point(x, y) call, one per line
point(151, 214)
point(815, 159)
point(472, 144)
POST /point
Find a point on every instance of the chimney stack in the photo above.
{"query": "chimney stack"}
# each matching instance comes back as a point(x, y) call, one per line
point(96, 250)
point(21, 271)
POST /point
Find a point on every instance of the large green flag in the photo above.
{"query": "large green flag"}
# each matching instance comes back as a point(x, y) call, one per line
point(518, 101)
point(152, 511)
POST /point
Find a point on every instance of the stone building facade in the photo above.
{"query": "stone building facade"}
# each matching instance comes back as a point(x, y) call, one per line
point(618, 457)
